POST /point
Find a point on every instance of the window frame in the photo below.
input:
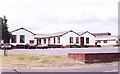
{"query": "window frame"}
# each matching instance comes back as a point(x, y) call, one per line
point(22, 40)
point(58, 39)
point(70, 40)
point(77, 39)
point(31, 41)
point(104, 41)
point(14, 39)
point(54, 40)
point(49, 41)
point(87, 40)
point(98, 41)
point(44, 40)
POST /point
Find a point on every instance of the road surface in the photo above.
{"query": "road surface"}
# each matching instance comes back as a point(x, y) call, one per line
point(65, 51)
point(100, 68)
point(62, 51)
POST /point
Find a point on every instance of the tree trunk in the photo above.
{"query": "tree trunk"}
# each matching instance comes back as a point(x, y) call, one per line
point(5, 52)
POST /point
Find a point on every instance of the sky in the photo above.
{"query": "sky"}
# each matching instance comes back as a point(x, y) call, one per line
point(49, 16)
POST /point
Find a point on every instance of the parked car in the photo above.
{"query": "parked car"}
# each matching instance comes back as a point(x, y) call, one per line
point(6, 46)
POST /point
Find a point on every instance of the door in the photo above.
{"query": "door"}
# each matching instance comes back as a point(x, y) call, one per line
point(81, 40)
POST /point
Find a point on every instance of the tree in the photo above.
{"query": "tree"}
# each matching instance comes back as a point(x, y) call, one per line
point(5, 33)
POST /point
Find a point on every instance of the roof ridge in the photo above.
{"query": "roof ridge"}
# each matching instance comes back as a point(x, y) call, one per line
point(24, 29)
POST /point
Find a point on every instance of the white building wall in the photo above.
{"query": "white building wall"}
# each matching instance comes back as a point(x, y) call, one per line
point(108, 43)
point(110, 40)
point(42, 41)
point(56, 40)
point(52, 40)
point(65, 38)
point(91, 38)
point(46, 40)
point(28, 36)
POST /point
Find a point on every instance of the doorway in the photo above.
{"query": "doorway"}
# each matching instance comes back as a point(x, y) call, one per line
point(81, 40)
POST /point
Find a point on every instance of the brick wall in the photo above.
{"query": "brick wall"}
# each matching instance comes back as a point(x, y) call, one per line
point(95, 57)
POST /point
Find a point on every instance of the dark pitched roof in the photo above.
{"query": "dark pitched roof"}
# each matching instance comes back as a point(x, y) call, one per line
point(102, 34)
point(81, 33)
point(54, 34)
point(22, 29)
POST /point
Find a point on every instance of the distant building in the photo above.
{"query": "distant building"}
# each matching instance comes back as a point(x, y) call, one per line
point(102, 34)
point(106, 39)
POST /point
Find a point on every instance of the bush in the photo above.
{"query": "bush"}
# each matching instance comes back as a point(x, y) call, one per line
point(78, 46)
point(85, 46)
point(118, 45)
point(98, 45)
point(20, 46)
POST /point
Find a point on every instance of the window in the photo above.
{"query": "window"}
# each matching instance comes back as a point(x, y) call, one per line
point(98, 41)
point(44, 41)
point(31, 41)
point(118, 40)
point(58, 39)
point(71, 39)
point(105, 41)
point(22, 38)
point(38, 41)
point(13, 40)
point(87, 40)
point(54, 40)
point(77, 39)
point(48, 40)
point(81, 40)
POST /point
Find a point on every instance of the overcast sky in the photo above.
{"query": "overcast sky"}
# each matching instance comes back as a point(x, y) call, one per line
point(49, 16)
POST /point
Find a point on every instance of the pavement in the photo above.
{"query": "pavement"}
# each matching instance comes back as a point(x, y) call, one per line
point(62, 51)
point(100, 68)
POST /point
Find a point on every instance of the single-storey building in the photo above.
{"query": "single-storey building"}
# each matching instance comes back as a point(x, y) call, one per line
point(22, 36)
point(66, 38)
point(106, 39)
point(87, 38)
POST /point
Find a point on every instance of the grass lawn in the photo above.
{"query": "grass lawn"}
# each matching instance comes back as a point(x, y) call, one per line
point(29, 60)
point(32, 60)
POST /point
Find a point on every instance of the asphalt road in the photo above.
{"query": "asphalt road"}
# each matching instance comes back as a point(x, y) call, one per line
point(65, 51)
point(62, 51)
point(100, 68)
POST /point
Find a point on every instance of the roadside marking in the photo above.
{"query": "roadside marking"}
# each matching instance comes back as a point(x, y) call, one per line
point(17, 71)
point(111, 71)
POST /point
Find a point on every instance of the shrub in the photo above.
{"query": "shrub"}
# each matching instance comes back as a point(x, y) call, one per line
point(117, 45)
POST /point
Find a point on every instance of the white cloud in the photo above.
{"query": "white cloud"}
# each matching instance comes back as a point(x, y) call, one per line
point(47, 16)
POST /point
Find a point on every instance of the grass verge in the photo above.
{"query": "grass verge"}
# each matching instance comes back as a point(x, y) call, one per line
point(29, 60)
point(32, 60)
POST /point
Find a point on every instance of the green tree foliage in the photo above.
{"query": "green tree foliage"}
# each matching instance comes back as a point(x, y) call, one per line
point(5, 33)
